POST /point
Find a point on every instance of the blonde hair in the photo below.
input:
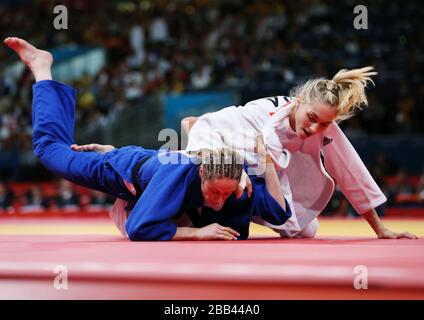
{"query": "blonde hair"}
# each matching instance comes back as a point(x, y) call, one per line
point(345, 92)
point(221, 163)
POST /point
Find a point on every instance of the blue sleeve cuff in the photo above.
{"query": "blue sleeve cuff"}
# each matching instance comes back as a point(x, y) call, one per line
point(270, 210)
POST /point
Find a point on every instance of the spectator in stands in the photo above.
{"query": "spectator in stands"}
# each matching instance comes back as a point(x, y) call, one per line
point(34, 200)
point(201, 76)
point(402, 193)
point(137, 41)
point(67, 198)
point(158, 28)
point(99, 201)
point(353, 129)
point(384, 165)
point(420, 188)
point(404, 116)
point(6, 198)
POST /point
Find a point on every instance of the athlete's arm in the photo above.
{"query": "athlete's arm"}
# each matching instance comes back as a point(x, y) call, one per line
point(270, 174)
point(383, 232)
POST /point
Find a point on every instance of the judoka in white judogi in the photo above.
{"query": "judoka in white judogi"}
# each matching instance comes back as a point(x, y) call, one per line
point(308, 168)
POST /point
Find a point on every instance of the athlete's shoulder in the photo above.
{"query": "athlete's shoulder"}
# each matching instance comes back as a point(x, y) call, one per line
point(276, 101)
point(279, 101)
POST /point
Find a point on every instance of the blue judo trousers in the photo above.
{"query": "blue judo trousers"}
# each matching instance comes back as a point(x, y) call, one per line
point(168, 189)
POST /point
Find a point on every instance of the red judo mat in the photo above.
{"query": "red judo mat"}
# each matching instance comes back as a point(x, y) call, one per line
point(111, 267)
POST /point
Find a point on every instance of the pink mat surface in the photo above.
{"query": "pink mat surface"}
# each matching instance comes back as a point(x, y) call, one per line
point(112, 267)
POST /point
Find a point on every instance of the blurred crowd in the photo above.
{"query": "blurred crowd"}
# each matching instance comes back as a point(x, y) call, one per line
point(175, 46)
point(401, 189)
point(33, 198)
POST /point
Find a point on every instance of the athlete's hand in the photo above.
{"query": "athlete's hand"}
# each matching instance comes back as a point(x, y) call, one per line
point(215, 232)
point(265, 160)
point(244, 183)
point(388, 234)
point(99, 148)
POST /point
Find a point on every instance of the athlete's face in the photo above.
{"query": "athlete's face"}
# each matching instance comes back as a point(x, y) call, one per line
point(312, 118)
point(216, 191)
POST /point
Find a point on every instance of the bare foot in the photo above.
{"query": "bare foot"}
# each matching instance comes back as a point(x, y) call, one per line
point(38, 61)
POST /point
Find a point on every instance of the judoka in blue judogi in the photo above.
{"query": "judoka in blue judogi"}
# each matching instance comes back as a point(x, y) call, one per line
point(166, 191)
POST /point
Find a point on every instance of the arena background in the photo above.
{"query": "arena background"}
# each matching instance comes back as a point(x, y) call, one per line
point(141, 66)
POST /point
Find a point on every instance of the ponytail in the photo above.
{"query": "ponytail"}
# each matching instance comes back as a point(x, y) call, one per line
point(345, 92)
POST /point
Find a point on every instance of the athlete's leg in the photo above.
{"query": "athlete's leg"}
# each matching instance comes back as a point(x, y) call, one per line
point(38, 61)
point(53, 127)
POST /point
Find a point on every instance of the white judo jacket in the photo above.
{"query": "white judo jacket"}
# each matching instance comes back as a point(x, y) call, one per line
point(307, 171)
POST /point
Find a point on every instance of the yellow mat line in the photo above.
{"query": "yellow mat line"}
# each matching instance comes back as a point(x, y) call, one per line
point(354, 228)
point(326, 228)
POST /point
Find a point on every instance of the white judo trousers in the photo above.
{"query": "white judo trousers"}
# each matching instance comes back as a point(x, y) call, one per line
point(308, 169)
